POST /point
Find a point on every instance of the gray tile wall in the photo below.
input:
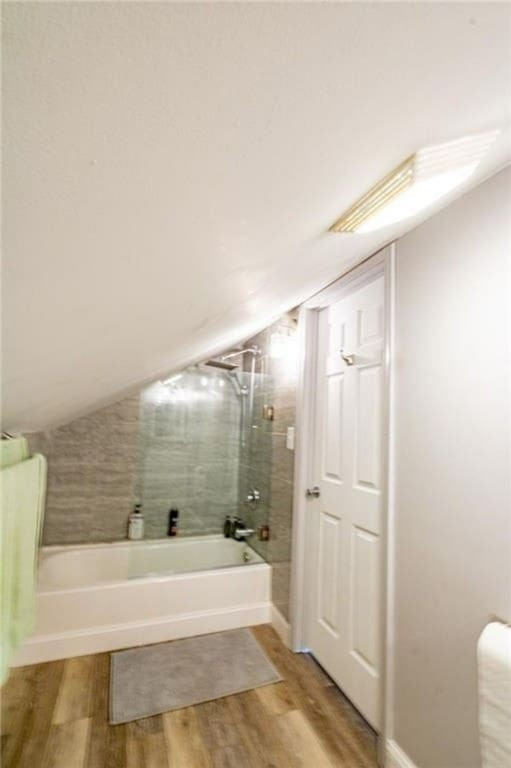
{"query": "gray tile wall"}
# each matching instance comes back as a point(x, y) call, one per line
point(91, 475)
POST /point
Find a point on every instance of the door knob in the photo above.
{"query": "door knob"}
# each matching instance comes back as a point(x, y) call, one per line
point(312, 493)
point(348, 359)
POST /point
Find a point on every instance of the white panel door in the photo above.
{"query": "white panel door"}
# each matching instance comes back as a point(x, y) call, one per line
point(344, 609)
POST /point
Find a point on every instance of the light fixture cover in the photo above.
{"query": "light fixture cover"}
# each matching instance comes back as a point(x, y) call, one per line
point(421, 179)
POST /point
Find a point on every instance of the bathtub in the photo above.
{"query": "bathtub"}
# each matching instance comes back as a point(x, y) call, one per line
point(99, 597)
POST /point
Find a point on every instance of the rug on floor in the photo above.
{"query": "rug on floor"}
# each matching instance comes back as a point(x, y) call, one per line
point(153, 679)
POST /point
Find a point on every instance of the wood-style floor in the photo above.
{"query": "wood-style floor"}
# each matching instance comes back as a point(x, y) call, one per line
point(55, 715)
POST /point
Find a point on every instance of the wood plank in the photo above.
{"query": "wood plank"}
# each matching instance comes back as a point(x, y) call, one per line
point(15, 703)
point(230, 756)
point(301, 741)
point(146, 726)
point(134, 753)
point(155, 751)
point(107, 744)
point(67, 745)
point(98, 742)
point(259, 731)
point(75, 694)
point(342, 743)
point(353, 725)
point(219, 726)
point(26, 746)
point(256, 752)
point(14, 699)
point(216, 725)
point(276, 699)
point(115, 747)
point(316, 672)
point(147, 751)
point(185, 746)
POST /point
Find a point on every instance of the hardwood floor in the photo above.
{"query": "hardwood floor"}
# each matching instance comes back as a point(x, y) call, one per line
point(55, 715)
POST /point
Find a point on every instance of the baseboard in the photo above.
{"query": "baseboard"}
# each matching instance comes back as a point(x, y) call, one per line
point(281, 626)
point(396, 758)
point(113, 637)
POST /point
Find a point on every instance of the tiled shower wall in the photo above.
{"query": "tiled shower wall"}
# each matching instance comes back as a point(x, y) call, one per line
point(91, 475)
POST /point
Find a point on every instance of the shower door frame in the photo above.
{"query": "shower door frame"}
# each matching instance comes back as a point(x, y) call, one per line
point(381, 263)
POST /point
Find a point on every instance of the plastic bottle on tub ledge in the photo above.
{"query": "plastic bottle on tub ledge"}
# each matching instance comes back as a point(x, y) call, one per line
point(136, 524)
point(173, 518)
point(228, 526)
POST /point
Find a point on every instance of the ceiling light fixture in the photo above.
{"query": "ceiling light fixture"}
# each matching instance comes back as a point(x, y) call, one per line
point(424, 177)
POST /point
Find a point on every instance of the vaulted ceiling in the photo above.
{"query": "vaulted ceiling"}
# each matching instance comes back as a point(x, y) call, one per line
point(171, 170)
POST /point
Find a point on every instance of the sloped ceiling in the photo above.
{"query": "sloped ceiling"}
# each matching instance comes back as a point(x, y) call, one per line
point(171, 170)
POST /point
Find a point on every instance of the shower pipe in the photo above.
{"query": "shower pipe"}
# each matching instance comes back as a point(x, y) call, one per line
point(255, 351)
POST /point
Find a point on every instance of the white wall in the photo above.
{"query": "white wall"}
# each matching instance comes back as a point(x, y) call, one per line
point(452, 468)
point(170, 171)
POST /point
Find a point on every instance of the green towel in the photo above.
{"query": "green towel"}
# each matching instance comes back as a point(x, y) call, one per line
point(22, 489)
point(13, 451)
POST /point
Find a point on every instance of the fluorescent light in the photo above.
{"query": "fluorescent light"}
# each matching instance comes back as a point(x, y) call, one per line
point(421, 179)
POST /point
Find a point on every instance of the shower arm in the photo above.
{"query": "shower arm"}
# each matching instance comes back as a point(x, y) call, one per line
point(253, 350)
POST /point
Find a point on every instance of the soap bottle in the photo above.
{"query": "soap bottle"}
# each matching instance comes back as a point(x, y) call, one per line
point(136, 523)
point(173, 517)
point(228, 527)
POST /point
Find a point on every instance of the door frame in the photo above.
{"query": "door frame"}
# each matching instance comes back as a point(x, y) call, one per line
point(381, 263)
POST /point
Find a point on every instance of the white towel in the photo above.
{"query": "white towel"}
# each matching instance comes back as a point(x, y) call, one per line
point(494, 665)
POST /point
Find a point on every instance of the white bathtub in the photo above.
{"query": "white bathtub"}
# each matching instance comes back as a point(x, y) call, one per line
point(101, 597)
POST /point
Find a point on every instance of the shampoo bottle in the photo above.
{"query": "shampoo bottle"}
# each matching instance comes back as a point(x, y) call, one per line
point(136, 523)
point(173, 516)
point(228, 526)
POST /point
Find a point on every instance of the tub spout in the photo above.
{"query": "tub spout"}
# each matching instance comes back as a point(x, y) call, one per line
point(241, 534)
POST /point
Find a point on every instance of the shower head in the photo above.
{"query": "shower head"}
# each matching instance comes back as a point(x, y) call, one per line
point(221, 364)
point(231, 370)
point(224, 365)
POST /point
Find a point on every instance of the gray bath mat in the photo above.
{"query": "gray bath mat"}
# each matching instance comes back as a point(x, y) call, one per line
point(157, 678)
